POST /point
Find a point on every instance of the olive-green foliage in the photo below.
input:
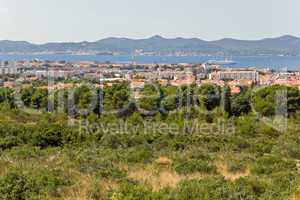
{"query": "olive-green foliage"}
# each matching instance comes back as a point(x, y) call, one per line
point(170, 103)
point(154, 98)
point(131, 191)
point(272, 164)
point(92, 162)
point(138, 155)
point(276, 99)
point(18, 186)
point(7, 96)
point(54, 135)
point(241, 103)
point(209, 96)
point(41, 154)
point(195, 165)
point(117, 98)
point(150, 100)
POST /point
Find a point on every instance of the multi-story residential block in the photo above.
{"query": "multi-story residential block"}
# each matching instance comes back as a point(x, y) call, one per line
point(237, 75)
point(9, 70)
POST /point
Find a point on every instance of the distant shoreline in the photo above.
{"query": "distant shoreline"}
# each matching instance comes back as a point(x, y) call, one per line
point(260, 62)
point(116, 55)
point(157, 45)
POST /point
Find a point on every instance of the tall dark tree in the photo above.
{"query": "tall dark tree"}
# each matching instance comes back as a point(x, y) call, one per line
point(226, 98)
point(209, 96)
point(26, 95)
point(240, 103)
point(277, 99)
point(150, 100)
point(99, 103)
point(39, 99)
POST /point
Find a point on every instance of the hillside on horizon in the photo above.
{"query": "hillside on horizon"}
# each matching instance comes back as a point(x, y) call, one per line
point(157, 45)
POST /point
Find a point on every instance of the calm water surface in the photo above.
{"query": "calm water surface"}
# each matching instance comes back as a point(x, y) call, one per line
point(273, 62)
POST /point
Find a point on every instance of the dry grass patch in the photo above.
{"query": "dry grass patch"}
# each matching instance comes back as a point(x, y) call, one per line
point(163, 161)
point(231, 176)
point(79, 191)
point(87, 187)
point(156, 179)
point(295, 197)
point(4, 165)
point(159, 175)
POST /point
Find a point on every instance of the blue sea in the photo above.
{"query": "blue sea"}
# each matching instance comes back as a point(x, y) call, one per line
point(272, 62)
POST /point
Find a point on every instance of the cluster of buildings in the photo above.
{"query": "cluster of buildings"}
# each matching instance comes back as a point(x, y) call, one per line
point(138, 75)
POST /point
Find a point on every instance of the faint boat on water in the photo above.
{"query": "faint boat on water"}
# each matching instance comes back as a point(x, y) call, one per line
point(221, 62)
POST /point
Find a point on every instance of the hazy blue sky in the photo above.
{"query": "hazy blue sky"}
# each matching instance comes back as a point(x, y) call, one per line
point(76, 20)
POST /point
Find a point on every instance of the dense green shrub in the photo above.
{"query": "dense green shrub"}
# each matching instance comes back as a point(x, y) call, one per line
point(271, 164)
point(9, 142)
point(25, 152)
point(17, 186)
point(206, 189)
point(247, 126)
point(209, 96)
point(218, 188)
point(55, 135)
point(241, 104)
point(268, 101)
point(138, 155)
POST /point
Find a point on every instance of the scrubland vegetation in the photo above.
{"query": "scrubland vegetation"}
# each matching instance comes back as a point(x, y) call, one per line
point(61, 153)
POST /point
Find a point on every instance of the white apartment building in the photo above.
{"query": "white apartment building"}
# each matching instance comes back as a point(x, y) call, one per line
point(238, 75)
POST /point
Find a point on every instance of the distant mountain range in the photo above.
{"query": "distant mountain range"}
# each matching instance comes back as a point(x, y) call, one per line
point(157, 45)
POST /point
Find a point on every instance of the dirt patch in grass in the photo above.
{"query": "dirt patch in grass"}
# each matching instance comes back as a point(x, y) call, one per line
point(231, 176)
point(163, 161)
point(295, 197)
point(159, 177)
point(157, 180)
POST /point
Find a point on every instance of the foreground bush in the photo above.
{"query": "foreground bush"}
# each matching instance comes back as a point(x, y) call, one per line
point(18, 186)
